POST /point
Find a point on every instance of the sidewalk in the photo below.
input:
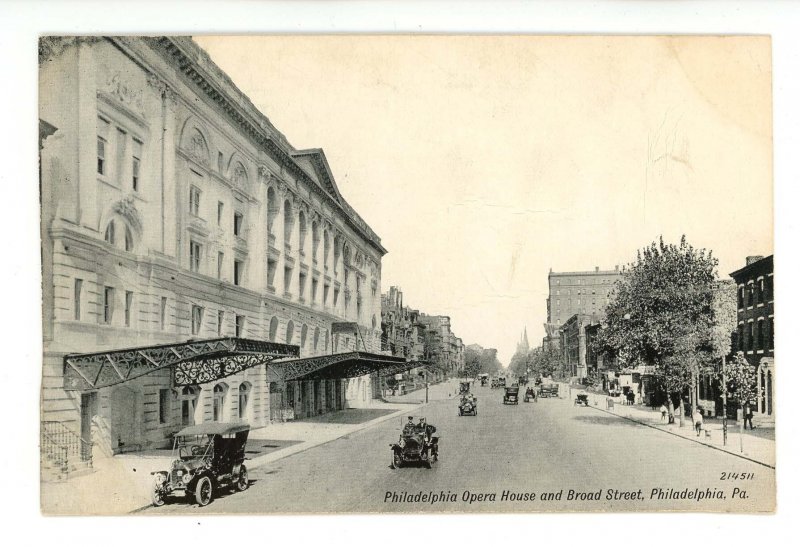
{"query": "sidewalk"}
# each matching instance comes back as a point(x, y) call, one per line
point(755, 445)
point(122, 484)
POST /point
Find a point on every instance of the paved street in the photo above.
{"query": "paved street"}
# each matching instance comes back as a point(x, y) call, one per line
point(549, 447)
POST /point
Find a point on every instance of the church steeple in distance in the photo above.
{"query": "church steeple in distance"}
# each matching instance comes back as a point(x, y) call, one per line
point(523, 346)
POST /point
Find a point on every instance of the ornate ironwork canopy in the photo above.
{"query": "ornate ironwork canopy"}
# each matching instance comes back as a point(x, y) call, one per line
point(192, 362)
point(338, 366)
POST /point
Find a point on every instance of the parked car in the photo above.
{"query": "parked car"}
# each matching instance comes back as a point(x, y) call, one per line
point(417, 444)
point(206, 459)
point(468, 405)
point(511, 396)
point(582, 399)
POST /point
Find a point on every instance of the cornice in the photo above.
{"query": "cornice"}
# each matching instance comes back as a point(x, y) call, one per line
point(199, 69)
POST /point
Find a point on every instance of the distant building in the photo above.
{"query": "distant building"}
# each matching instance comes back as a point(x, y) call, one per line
point(584, 293)
point(756, 327)
point(574, 344)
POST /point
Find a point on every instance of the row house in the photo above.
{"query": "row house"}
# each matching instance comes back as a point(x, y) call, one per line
point(174, 211)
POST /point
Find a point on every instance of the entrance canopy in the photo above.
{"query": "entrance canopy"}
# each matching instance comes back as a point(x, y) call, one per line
point(193, 362)
point(340, 366)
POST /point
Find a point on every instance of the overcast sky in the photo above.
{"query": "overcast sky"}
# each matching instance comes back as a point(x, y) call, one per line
point(482, 162)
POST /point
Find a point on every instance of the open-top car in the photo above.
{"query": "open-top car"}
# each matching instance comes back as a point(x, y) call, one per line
point(530, 395)
point(582, 399)
point(206, 458)
point(511, 396)
point(417, 444)
point(468, 405)
point(463, 387)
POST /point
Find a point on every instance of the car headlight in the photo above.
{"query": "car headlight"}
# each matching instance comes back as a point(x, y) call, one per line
point(186, 478)
point(160, 478)
point(402, 443)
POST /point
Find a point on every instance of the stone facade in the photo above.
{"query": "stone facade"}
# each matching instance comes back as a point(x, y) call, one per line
point(173, 209)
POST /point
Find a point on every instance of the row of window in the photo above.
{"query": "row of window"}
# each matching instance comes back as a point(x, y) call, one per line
point(188, 397)
point(756, 335)
point(124, 165)
point(198, 313)
point(758, 292)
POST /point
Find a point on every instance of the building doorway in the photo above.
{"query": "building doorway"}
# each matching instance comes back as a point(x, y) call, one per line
point(124, 419)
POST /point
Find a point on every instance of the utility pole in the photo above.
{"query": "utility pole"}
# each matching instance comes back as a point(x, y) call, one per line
point(724, 404)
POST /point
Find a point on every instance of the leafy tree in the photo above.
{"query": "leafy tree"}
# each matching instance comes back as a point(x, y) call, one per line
point(661, 315)
point(741, 380)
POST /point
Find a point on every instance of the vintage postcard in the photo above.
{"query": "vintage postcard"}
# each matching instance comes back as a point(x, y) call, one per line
point(406, 273)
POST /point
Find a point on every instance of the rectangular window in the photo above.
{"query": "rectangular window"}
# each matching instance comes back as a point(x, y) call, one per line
point(164, 399)
point(101, 156)
point(238, 218)
point(195, 253)
point(272, 267)
point(108, 305)
point(128, 306)
point(76, 299)
point(740, 333)
point(220, 209)
point(335, 296)
point(136, 164)
point(760, 337)
point(220, 322)
point(741, 297)
point(163, 313)
point(325, 290)
point(750, 295)
point(302, 284)
point(287, 279)
point(771, 333)
point(194, 201)
point(750, 336)
point(314, 286)
point(197, 319)
point(769, 296)
point(238, 272)
point(239, 326)
point(122, 144)
point(220, 262)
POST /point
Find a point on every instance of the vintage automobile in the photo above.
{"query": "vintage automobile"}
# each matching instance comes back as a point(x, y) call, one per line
point(207, 458)
point(582, 399)
point(468, 405)
point(530, 395)
point(511, 396)
point(417, 444)
point(463, 387)
point(548, 390)
point(484, 378)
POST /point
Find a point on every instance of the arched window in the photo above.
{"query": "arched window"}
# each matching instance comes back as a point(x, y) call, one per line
point(110, 233)
point(220, 390)
point(273, 329)
point(316, 338)
point(288, 221)
point(326, 247)
point(289, 332)
point(314, 241)
point(303, 336)
point(128, 239)
point(374, 322)
point(244, 399)
point(325, 339)
point(188, 398)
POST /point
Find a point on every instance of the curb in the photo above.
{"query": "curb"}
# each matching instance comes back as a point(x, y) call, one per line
point(684, 437)
point(260, 461)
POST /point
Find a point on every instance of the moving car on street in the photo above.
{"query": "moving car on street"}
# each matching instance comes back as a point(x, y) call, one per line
point(417, 444)
point(530, 395)
point(582, 399)
point(464, 387)
point(511, 396)
point(468, 405)
point(207, 458)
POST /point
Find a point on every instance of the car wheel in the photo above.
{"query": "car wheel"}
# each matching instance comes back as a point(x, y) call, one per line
point(244, 481)
point(397, 461)
point(158, 497)
point(203, 491)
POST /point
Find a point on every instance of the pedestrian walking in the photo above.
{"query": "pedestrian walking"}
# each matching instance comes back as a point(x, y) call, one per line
point(698, 421)
point(663, 412)
point(748, 417)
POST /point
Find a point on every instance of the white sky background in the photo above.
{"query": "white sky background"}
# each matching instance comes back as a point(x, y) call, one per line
point(482, 162)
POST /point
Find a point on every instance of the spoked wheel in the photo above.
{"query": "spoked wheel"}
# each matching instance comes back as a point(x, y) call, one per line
point(243, 482)
point(203, 491)
point(158, 497)
point(397, 461)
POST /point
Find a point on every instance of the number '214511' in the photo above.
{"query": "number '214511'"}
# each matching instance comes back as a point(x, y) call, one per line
point(729, 476)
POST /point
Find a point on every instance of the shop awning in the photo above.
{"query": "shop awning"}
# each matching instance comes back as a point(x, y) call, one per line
point(339, 366)
point(193, 362)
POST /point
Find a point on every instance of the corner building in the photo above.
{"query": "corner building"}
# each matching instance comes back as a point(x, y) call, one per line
point(173, 210)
